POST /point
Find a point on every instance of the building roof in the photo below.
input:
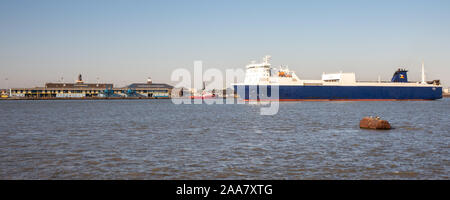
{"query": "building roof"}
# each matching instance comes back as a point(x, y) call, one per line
point(149, 85)
point(79, 85)
point(97, 86)
point(46, 88)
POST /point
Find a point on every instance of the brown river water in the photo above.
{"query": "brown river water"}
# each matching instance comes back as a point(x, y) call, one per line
point(155, 139)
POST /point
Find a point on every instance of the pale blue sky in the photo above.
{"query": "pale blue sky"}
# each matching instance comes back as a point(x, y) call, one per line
point(126, 41)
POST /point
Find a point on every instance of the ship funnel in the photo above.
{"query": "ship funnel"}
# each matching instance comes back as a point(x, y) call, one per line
point(400, 76)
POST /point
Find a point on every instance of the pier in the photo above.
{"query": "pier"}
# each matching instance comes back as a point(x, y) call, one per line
point(81, 90)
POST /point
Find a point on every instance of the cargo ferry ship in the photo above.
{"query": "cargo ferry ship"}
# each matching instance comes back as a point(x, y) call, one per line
point(335, 86)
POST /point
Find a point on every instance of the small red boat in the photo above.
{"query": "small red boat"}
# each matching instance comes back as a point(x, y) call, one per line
point(209, 96)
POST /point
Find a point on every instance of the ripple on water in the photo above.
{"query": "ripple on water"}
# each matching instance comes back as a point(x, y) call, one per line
point(159, 140)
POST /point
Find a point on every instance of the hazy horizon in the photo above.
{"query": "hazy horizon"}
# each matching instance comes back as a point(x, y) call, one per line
point(122, 42)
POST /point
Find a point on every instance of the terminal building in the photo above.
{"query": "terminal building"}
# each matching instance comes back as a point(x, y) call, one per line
point(79, 89)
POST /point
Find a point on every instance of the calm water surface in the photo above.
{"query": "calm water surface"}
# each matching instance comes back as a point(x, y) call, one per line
point(155, 139)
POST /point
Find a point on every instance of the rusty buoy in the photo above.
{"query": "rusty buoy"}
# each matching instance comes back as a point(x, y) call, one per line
point(374, 123)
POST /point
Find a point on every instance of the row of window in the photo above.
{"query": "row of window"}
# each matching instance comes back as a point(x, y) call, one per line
point(81, 91)
point(54, 91)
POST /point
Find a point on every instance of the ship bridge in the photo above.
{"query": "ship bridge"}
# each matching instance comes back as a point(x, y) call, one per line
point(258, 72)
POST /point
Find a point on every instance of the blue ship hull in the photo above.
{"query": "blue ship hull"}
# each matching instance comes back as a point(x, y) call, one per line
point(293, 93)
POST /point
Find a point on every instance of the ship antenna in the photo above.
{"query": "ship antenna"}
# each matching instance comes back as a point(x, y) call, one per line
point(266, 59)
point(423, 72)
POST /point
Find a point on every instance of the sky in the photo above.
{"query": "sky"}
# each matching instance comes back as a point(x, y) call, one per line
point(122, 42)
